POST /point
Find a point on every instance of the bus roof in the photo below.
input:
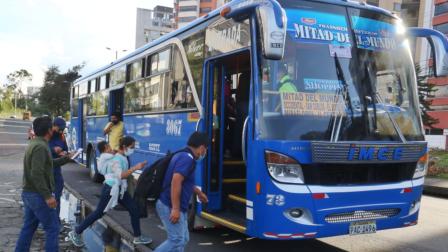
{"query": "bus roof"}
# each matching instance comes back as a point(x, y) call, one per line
point(212, 14)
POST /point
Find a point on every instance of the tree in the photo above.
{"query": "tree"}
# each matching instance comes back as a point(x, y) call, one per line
point(54, 97)
point(15, 82)
point(425, 94)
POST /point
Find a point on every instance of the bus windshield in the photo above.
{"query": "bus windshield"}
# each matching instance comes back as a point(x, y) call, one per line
point(347, 75)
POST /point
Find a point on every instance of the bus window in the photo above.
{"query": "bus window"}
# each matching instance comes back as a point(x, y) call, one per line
point(103, 82)
point(145, 95)
point(135, 70)
point(83, 88)
point(91, 106)
point(92, 86)
point(118, 76)
point(97, 104)
point(194, 46)
point(158, 62)
point(178, 92)
point(75, 105)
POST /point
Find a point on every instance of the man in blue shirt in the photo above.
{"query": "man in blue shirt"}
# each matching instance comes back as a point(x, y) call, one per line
point(178, 188)
point(58, 148)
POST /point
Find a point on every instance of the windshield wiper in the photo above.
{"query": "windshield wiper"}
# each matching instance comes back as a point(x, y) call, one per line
point(377, 96)
point(345, 95)
point(394, 122)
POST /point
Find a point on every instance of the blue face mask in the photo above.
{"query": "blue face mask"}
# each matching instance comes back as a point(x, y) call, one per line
point(201, 157)
point(129, 152)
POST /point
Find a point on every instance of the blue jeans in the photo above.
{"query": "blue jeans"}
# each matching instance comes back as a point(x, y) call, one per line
point(59, 186)
point(178, 235)
point(127, 202)
point(36, 210)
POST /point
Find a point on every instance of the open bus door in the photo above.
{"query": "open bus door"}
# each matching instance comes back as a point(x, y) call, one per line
point(226, 113)
point(83, 128)
point(116, 101)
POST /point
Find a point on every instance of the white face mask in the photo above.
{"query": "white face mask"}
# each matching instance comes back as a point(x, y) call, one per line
point(129, 152)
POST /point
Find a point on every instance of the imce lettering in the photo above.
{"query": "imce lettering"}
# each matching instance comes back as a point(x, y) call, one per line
point(370, 153)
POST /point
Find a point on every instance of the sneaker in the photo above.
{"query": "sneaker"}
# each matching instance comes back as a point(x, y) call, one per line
point(142, 240)
point(76, 239)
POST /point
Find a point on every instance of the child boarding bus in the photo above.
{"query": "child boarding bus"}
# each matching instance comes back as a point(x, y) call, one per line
point(311, 108)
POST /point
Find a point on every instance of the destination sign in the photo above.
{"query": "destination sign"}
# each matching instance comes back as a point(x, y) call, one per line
point(373, 34)
point(314, 104)
point(317, 27)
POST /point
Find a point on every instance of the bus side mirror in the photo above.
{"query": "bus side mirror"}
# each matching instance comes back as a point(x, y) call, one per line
point(439, 48)
point(272, 23)
point(271, 19)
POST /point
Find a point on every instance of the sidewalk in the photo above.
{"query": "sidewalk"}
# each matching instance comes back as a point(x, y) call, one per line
point(436, 186)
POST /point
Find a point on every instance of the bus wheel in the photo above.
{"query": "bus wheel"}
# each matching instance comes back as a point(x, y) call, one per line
point(95, 176)
point(191, 212)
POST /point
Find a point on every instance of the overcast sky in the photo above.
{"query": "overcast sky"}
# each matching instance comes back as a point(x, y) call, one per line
point(35, 34)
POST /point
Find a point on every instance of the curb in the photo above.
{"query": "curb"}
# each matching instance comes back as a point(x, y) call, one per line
point(435, 191)
point(109, 221)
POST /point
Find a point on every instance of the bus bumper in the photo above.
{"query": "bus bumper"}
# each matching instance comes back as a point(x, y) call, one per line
point(330, 211)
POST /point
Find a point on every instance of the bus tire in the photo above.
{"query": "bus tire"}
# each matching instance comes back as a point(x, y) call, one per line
point(191, 214)
point(95, 176)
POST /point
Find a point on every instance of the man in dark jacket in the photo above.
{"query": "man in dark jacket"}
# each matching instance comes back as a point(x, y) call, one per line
point(38, 188)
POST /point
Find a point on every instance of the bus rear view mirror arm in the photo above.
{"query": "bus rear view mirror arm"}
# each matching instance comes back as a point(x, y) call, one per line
point(271, 18)
point(439, 48)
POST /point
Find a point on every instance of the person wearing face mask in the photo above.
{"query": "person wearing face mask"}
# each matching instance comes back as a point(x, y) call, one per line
point(58, 147)
point(114, 190)
point(38, 195)
point(114, 130)
point(178, 187)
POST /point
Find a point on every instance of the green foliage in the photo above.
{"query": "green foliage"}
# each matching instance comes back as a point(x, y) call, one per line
point(54, 98)
point(425, 93)
point(16, 79)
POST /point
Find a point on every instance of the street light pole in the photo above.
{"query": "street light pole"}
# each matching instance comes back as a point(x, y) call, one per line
point(116, 51)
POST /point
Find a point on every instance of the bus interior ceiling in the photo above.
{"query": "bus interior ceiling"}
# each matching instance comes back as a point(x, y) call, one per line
point(235, 99)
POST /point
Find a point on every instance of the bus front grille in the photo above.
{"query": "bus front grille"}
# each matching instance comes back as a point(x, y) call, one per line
point(357, 174)
point(362, 215)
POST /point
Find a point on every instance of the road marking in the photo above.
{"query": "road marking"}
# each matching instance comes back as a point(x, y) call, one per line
point(13, 133)
point(15, 126)
point(11, 121)
point(9, 200)
point(8, 144)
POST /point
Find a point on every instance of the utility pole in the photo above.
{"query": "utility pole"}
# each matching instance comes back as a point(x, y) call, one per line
point(116, 51)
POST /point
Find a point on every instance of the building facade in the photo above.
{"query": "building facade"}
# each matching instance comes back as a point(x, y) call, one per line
point(188, 10)
point(152, 24)
point(440, 101)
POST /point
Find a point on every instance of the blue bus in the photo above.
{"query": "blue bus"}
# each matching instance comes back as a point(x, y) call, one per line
point(311, 108)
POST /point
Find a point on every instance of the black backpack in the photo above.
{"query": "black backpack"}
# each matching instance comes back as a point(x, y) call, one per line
point(150, 183)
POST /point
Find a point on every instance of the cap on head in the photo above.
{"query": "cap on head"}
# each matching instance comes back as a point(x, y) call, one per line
point(60, 123)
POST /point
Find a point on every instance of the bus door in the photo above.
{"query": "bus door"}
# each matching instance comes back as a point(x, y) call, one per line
point(226, 111)
point(116, 101)
point(83, 128)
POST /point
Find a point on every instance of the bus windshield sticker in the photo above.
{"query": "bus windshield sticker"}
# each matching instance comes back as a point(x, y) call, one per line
point(312, 104)
point(318, 27)
point(322, 85)
point(340, 51)
point(374, 35)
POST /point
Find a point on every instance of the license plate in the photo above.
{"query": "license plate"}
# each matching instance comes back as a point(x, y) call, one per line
point(357, 228)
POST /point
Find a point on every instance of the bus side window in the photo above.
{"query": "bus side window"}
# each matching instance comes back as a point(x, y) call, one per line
point(178, 91)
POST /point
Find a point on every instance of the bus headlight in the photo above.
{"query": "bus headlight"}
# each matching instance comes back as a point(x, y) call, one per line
point(421, 167)
point(283, 168)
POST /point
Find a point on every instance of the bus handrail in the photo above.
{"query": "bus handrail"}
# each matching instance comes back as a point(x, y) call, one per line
point(243, 139)
point(197, 124)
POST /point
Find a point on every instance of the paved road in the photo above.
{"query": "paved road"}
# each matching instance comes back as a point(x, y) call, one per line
point(430, 234)
point(13, 141)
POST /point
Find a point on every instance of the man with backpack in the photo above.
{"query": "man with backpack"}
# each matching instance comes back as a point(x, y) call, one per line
point(177, 189)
